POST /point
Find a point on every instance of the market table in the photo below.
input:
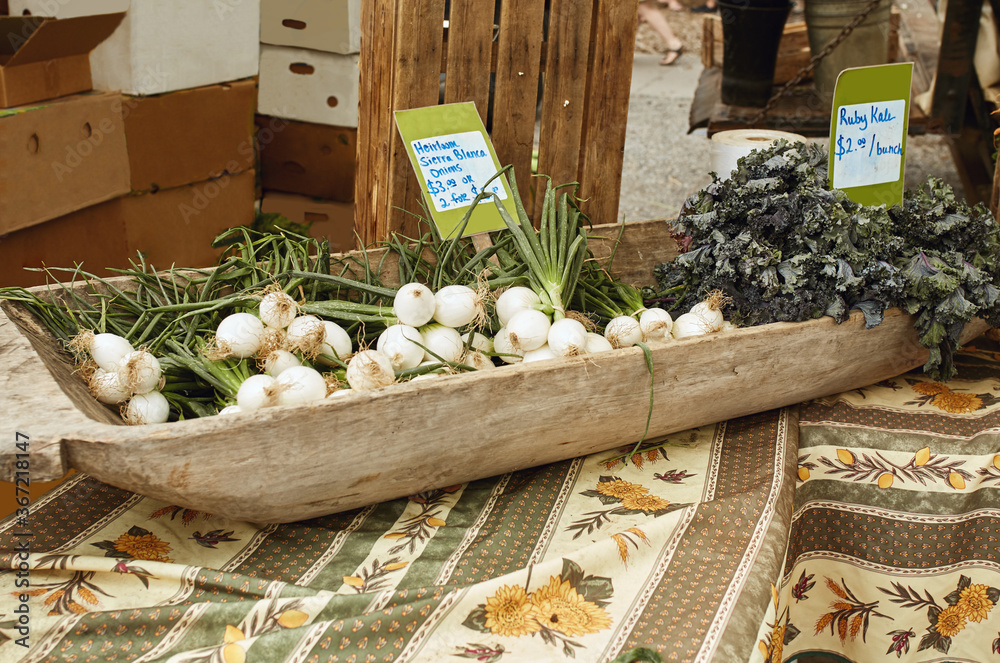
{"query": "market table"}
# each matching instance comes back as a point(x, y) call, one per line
point(865, 524)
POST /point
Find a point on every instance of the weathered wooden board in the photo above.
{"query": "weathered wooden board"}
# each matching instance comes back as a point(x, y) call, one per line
point(578, 52)
point(289, 463)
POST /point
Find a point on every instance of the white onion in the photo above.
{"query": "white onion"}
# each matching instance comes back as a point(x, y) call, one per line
point(400, 344)
point(414, 304)
point(369, 369)
point(338, 340)
point(108, 349)
point(341, 392)
point(655, 324)
point(597, 343)
point(456, 305)
point(240, 335)
point(107, 388)
point(710, 313)
point(479, 342)
point(279, 361)
point(443, 341)
point(300, 384)
point(623, 332)
point(274, 339)
point(567, 338)
point(514, 300)
point(148, 408)
point(729, 326)
point(230, 409)
point(691, 324)
point(503, 348)
point(540, 354)
point(306, 333)
point(528, 329)
point(478, 361)
point(139, 372)
point(257, 391)
point(277, 309)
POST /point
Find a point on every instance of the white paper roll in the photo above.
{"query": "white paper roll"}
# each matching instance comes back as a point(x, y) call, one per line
point(729, 146)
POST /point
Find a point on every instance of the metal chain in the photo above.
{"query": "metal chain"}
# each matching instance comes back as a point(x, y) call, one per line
point(816, 59)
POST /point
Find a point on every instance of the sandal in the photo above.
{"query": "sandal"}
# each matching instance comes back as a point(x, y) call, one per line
point(675, 52)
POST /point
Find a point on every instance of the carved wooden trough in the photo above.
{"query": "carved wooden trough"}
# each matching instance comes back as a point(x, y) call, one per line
point(289, 463)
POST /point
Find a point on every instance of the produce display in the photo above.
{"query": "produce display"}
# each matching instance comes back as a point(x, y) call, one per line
point(782, 246)
point(282, 322)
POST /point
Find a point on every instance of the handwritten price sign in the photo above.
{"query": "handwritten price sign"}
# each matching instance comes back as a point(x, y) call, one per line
point(453, 158)
point(869, 145)
point(455, 167)
point(868, 126)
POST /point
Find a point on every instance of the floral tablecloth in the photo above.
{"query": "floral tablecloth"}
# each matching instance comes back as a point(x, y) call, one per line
point(865, 525)
point(894, 549)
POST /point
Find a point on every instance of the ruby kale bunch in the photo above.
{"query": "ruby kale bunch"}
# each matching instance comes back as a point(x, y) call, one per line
point(783, 246)
point(951, 267)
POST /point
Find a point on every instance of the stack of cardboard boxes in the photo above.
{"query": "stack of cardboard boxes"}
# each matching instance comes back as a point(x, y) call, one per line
point(160, 162)
point(308, 113)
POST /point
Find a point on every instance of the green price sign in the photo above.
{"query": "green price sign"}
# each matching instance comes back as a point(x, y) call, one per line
point(868, 125)
point(453, 158)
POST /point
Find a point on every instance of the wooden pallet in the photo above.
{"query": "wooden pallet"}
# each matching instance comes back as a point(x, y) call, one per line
point(584, 58)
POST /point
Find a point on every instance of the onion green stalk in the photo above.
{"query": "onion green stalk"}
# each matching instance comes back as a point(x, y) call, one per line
point(555, 253)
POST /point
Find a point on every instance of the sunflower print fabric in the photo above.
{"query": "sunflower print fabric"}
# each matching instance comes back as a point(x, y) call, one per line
point(893, 551)
point(585, 560)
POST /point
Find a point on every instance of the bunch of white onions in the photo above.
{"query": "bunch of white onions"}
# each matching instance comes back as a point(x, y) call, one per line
point(530, 333)
point(282, 340)
point(125, 375)
point(704, 317)
point(653, 325)
point(296, 385)
point(428, 331)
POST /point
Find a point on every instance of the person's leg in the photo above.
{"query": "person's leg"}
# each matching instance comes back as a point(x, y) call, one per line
point(656, 20)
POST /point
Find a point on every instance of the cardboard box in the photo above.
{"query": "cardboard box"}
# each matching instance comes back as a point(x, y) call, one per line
point(173, 226)
point(326, 218)
point(177, 226)
point(190, 135)
point(322, 25)
point(166, 46)
point(45, 58)
point(309, 86)
point(94, 236)
point(309, 159)
point(60, 157)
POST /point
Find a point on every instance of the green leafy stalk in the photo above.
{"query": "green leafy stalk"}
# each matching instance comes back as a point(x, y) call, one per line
point(555, 253)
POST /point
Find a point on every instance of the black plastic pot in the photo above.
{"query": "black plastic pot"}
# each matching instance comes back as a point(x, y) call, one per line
point(751, 32)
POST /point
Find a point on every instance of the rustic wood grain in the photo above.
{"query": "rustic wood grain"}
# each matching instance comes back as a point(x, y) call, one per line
point(603, 146)
point(585, 60)
point(470, 39)
point(289, 463)
point(564, 97)
point(516, 99)
point(416, 83)
point(376, 129)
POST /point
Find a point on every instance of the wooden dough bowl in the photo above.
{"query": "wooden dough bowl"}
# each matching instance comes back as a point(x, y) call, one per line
point(290, 463)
